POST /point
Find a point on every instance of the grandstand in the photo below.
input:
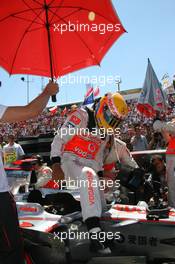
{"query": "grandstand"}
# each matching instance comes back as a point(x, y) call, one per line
point(127, 94)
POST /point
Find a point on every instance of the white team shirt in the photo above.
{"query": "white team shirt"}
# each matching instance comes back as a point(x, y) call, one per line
point(3, 179)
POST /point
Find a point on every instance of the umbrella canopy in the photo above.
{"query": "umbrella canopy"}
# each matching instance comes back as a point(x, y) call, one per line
point(152, 98)
point(54, 37)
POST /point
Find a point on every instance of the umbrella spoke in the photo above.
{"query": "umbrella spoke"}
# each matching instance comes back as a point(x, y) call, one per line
point(37, 2)
point(14, 14)
point(55, 0)
point(17, 15)
point(56, 10)
point(35, 29)
point(72, 13)
point(81, 39)
point(20, 42)
point(33, 10)
point(89, 10)
point(27, 20)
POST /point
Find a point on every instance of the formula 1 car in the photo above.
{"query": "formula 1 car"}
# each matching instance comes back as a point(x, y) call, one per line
point(55, 233)
point(136, 231)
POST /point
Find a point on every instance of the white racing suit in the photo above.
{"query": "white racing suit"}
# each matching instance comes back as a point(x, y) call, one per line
point(170, 158)
point(81, 155)
point(118, 156)
point(120, 153)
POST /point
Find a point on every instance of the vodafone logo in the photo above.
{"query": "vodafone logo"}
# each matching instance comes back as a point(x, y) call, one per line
point(91, 147)
point(91, 194)
point(80, 152)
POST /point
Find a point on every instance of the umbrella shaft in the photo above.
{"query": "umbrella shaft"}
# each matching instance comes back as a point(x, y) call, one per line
point(49, 39)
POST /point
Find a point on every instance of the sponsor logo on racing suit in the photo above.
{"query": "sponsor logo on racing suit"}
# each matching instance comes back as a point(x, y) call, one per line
point(83, 146)
point(91, 196)
point(75, 120)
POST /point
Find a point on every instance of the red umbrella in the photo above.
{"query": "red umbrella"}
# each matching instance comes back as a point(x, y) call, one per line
point(54, 37)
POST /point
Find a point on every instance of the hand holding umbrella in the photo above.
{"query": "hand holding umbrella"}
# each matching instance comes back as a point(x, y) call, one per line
point(51, 88)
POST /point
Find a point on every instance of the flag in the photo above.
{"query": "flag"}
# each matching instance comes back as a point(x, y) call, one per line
point(89, 88)
point(96, 91)
point(64, 112)
point(53, 110)
point(166, 81)
point(90, 94)
point(89, 99)
point(152, 97)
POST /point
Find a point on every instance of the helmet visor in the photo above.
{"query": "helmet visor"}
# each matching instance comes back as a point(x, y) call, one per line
point(112, 120)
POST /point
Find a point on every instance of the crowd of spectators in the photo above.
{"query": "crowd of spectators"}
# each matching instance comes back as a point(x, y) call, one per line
point(49, 122)
point(137, 130)
point(43, 124)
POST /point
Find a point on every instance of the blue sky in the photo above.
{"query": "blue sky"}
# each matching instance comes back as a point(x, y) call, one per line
point(150, 27)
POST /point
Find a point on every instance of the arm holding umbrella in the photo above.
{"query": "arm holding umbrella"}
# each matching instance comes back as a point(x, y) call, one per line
point(9, 217)
point(34, 108)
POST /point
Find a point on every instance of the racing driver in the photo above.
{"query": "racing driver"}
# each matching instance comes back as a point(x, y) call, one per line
point(78, 151)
